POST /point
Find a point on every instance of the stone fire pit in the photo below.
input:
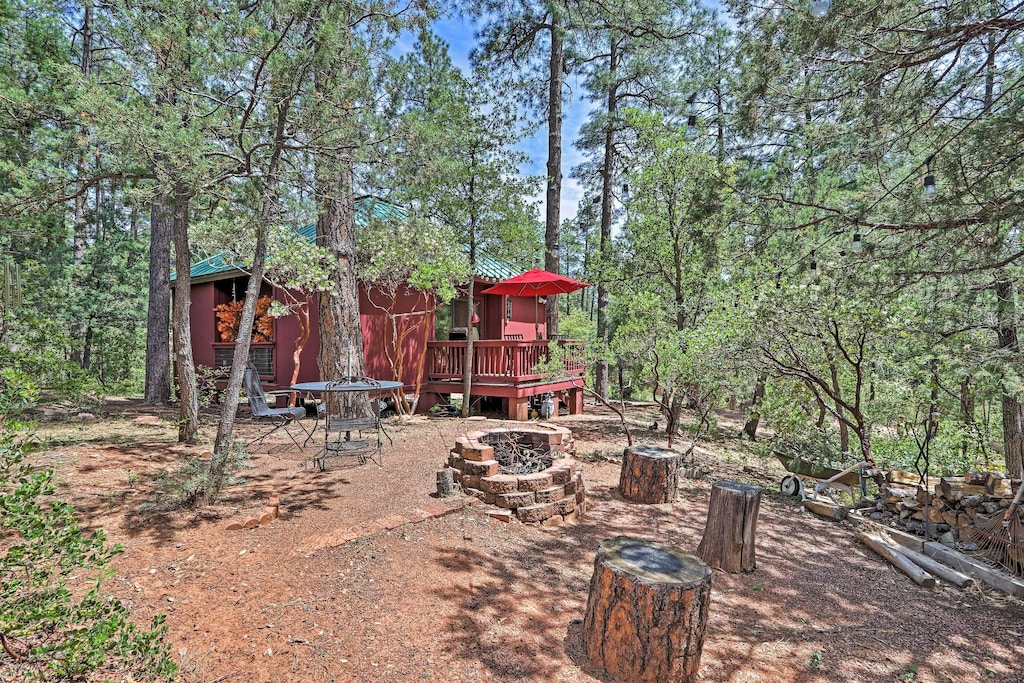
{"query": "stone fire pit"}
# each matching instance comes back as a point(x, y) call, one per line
point(529, 471)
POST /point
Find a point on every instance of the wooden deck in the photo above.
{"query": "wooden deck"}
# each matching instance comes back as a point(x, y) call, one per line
point(507, 369)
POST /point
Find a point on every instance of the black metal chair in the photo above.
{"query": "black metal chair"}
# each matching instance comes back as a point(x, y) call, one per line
point(360, 414)
point(514, 337)
point(283, 418)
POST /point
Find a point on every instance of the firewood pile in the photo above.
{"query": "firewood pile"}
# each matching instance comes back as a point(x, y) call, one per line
point(953, 503)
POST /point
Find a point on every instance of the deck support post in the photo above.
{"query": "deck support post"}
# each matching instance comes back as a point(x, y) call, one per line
point(519, 409)
point(576, 401)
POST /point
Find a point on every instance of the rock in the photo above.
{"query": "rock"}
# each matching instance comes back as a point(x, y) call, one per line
point(146, 420)
point(86, 417)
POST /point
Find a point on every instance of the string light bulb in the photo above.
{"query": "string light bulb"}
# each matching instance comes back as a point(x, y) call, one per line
point(858, 243)
point(929, 178)
point(820, 8)
point(625, 189)
point(691, 117)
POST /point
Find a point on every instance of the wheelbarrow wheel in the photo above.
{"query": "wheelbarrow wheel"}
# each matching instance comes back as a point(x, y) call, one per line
point(790, 485)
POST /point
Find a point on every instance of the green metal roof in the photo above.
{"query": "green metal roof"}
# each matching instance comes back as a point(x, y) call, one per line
point(493, 269)
point(367, 209)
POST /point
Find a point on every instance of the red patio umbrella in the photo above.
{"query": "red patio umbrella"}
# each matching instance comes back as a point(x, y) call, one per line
point(536, 283)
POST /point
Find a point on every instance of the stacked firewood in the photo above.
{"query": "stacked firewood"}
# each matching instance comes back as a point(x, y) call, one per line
point(953, 503)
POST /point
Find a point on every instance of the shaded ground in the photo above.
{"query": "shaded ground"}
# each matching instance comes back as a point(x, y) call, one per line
point(464, 598)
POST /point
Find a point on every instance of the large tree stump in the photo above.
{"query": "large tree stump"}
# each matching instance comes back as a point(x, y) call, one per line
point(649, 474)
point(728, 542)
point(647, 611)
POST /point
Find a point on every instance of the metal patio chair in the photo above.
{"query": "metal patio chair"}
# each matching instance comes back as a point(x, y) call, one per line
point(357, 429)
point(283, 418)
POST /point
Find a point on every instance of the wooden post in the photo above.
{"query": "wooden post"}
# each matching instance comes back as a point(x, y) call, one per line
point(647, 611)
point(649, 474)
point(519, 409)
point(728, 542)
point(445, 482)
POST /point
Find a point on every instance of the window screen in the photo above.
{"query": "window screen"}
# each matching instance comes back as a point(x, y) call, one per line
point(261, 356)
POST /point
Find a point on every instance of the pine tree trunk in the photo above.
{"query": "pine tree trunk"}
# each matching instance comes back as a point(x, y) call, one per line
point(647, 611)
point(552, 217)
point(158, 347)
point(1013, 436)
point(467, 363)
point(188, 404)
point(80, 217)
point(341, 336)
point(649, 474)
point(754, 413)
point(731, 528)
point(1013, 411)
point(607, 176)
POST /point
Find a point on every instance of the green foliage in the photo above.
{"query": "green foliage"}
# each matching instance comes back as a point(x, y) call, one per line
point(454, 158)
point(956, 448)
point(416, 253)
point(56, 622)
point(198, 481)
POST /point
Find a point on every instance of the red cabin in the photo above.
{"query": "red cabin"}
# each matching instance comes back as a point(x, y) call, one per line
point(511, 334)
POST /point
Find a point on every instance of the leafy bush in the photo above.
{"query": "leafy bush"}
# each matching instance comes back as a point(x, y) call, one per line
point(956, 448)
point(55, 621)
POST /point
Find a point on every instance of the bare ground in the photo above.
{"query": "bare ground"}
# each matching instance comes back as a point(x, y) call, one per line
point(350, 583)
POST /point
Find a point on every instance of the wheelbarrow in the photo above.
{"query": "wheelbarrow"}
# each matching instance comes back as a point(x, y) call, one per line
point(825, 478)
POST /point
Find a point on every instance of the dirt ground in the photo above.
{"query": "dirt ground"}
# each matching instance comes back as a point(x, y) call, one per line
point(351, 583)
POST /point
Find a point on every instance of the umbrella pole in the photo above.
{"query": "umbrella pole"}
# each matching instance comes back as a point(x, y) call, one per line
point(536, 316)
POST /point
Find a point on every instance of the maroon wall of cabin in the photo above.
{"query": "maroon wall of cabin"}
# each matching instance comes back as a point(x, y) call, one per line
point(203, 323)
point(378, 335)
point(527, 318)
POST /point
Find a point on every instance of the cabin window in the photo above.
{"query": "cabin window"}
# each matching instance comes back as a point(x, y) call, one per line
point(451, 321)
point(228, 301)
point(261, 356)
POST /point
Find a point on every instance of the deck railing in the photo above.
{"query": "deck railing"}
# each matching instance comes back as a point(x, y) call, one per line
point(514, 362)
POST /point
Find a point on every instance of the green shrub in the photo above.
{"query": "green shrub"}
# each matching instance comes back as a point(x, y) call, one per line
point(198, 481)
point(56, 623)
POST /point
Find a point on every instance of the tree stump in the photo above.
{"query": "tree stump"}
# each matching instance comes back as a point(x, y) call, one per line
point(647, 611)
point(649, 474)
point(728, 542)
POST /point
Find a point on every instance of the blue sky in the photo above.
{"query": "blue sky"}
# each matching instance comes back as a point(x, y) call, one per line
point(459, 34)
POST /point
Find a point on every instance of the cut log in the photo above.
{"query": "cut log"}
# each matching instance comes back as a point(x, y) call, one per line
point(647, 611)
point(836, 513)
point(730, 531)
point(976, 568)
point(897, 559)
point(901, 477)
point(649, 474)
point(940, 570)
point(954, 488)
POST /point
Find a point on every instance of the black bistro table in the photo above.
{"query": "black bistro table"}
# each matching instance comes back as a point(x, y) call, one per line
point(342, 427)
